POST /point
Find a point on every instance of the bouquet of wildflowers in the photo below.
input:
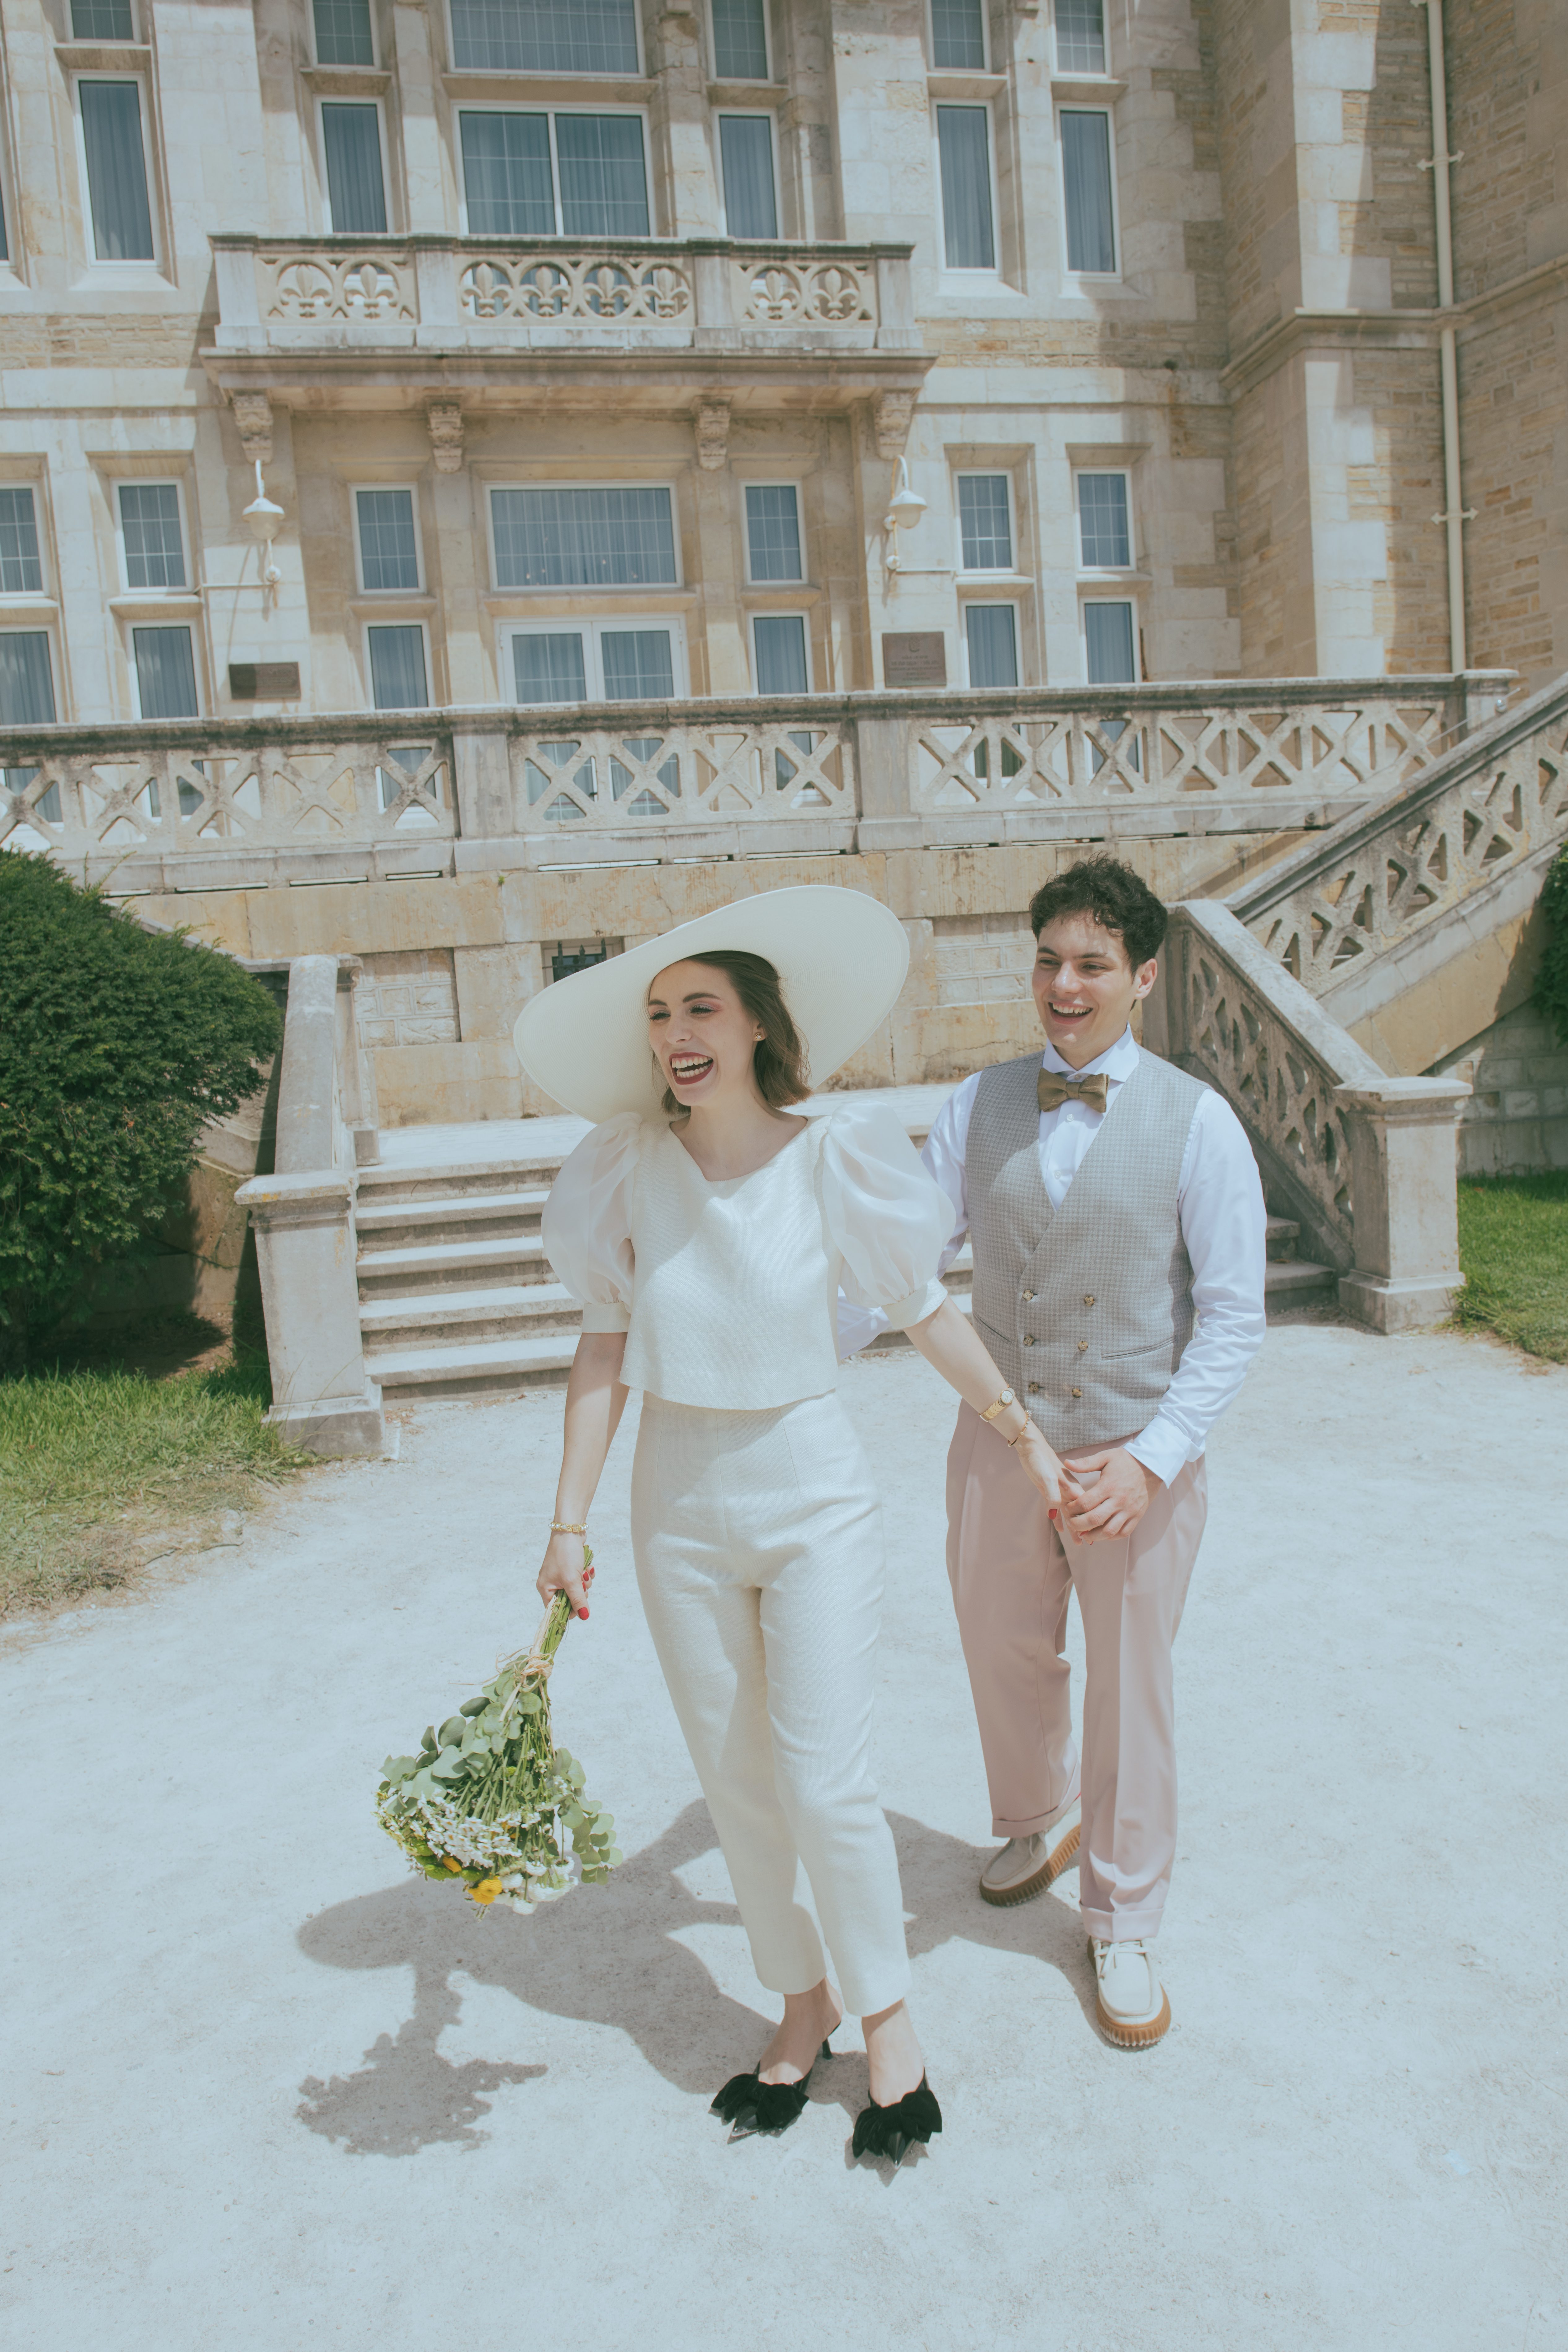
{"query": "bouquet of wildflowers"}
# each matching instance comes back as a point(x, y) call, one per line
point(489, 1801)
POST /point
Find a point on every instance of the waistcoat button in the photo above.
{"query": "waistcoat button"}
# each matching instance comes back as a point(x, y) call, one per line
point(1029, 1298)
point(1083, 1347)
point(1088, 1298)
point(1025, 1342)
point(1034, 1387)
point(1078, 1393)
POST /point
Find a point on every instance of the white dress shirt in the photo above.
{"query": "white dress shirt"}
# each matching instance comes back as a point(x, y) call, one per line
point(1220, 1204)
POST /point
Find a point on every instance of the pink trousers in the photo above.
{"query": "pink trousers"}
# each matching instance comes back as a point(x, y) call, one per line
point(1010, 1582)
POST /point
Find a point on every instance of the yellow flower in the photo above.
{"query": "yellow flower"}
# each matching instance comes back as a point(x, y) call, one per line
point(450, 1865)
point(486, 1891)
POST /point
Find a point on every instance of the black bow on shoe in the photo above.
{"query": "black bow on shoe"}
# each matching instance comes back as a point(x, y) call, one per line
point(889, 2131)
point(749, 2105)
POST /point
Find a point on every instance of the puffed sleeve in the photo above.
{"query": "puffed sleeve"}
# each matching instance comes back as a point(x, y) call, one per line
point(885, 1215)
point(587, 1225)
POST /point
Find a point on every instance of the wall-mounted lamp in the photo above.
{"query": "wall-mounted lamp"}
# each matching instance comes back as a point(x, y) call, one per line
point(265, 518)
point(905, 508)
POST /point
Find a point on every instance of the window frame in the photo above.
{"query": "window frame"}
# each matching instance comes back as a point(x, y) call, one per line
point(118, 482)
point(1060, 72)
point(968, 271)
point(664, 482)
point(323, 63)
point(985, 44)
point(1130, 601)
point(742, 81)
point(387, 595)
point(1006, 603)
point(775, 482)
point(780, 612)
point(550, 111)
point(985, 474)
point(550, 73)
point(749, 114)
point(411, 621)
point(24, 623)
point(1093, 277)
point(135, 38)
point(591, 626)
point(198, 661)
point(1105, 570)
point(330, 99)
point(25, 599)
point(137, 74)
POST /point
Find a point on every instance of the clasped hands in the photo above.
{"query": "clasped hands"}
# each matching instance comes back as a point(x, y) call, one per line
point(1108, 1507)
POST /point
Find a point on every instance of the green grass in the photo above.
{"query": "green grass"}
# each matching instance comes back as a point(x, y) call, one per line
point(1513, 1247)
point(98, 1465)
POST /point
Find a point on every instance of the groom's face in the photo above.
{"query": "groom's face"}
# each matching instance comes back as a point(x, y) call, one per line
point(1085, 987)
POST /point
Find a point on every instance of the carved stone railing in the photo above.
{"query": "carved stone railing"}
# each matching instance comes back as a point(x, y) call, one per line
point(1495, 806)
point(559, 292)
point(196, 804)
point(1366, 1163)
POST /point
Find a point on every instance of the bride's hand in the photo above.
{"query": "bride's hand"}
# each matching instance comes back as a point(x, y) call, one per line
point(564, 1571)
point(1043, 1468)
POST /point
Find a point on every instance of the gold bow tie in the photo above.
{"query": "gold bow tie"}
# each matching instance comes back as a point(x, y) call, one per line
point(1055, 1090)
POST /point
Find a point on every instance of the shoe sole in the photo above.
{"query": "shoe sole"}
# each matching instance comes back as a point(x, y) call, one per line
point(1037, 1883)
point(1141, 2036)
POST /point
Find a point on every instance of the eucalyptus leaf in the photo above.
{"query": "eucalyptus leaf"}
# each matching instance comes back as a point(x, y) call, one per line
point(472, 1706)
point(452, 1730)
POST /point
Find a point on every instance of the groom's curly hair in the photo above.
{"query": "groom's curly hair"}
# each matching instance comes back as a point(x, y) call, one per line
point(1114, 896)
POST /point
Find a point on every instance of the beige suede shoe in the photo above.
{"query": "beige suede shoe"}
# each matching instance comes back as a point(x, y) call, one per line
point(1026, 1866)
point(1133, 2006)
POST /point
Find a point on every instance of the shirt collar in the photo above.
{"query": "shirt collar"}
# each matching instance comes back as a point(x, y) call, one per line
point(1117, 1061)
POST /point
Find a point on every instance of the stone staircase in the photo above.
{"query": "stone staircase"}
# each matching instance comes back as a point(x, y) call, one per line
point(458, 1298)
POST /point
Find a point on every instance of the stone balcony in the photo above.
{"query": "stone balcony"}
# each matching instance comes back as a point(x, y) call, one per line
point(326, 318)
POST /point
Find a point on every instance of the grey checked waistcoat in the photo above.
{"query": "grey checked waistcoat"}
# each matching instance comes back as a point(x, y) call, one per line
point(1086, 1308)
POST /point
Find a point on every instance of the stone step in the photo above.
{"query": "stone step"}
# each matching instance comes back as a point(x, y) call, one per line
point(452, 1265)
point(447, 1180)
point(474, 1216)
point(1297, 1283)
point(446, 1319)
point(1282, 1235)
point(478, 1367)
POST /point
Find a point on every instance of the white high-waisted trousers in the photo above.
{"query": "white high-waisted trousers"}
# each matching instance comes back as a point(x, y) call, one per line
point(758, 1540)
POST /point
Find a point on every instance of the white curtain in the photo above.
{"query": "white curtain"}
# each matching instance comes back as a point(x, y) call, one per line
point(746, 146)
point(779, 639)
point(638, 665)
point(165, 673)
point(397, 669)
point(150, 525)
point(582, 538)
point(1108, 643)
point(388, 550)
point(26, 679)
point(603, 183)
point(545, 36)
point(1086, 177)
point(355, 191)
point(116, 170)
point(992, 636)
point(965, 145)
point(507, 181)
point(549, 668)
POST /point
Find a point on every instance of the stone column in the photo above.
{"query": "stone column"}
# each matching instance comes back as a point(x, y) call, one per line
point(322, 1397)
point(1403, 1184)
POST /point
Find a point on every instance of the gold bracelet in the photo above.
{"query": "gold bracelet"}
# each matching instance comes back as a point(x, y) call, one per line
point(560, 1528)
point(1003, 1401)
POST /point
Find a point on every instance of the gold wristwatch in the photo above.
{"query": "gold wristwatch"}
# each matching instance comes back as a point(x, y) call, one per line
point(1003, 1401)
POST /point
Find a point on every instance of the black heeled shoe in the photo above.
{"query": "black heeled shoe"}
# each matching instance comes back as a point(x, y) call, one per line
point(890, 2131)
point(749, 2105)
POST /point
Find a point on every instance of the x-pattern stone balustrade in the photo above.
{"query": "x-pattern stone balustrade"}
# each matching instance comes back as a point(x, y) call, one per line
point(1389, 872)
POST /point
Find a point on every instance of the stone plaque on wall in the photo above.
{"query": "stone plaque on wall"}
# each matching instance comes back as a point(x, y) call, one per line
point(264, 681)
point(914, 658)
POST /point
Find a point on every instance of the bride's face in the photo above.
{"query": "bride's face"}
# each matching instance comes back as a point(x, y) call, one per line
point(702, 1035)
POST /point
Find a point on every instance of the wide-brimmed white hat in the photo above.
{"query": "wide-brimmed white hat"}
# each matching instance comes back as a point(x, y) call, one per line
point(841, 958)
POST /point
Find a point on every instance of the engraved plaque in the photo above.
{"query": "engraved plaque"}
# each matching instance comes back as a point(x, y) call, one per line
point(264, 681)
point(914, 658)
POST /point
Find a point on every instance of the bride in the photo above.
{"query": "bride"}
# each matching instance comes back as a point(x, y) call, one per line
point(706, 1227)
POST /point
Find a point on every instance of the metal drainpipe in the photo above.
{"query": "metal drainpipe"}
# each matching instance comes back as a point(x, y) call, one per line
point(1456, 514)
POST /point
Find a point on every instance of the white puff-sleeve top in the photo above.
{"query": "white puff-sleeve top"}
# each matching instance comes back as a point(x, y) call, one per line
point(728, 1292)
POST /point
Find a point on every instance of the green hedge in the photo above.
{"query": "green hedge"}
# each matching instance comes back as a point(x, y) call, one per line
point(117, 1046)
point(1551, 981)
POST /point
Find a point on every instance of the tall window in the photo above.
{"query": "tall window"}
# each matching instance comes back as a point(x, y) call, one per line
point(544, 35)
point(741, 40)
point(991, 637)
point(1080, 36)
point(116, 170)
point(101, 20)
point(357, 193)
point(1104, 527)
point(1086, 181)
point(779, 640)
point(388, 547)
point(553, 175)
point(397, 674)
point(165, 673)
point(1109, 645)
point(150, 532)
point(26, 679)
point(595, 661)
point(583, 537)
point(21, 566)
point(772, 531)
point(342, 33)
point(746, 152)
point(985, 523)
point(958, 34)
point(963, 147)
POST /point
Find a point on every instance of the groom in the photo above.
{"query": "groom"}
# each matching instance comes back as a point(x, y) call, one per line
point(1118, 1228)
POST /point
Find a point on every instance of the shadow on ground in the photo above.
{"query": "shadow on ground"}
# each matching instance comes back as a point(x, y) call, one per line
point(612, 1956)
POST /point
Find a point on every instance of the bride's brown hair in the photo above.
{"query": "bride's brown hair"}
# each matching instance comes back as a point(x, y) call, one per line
point(778, 1061)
